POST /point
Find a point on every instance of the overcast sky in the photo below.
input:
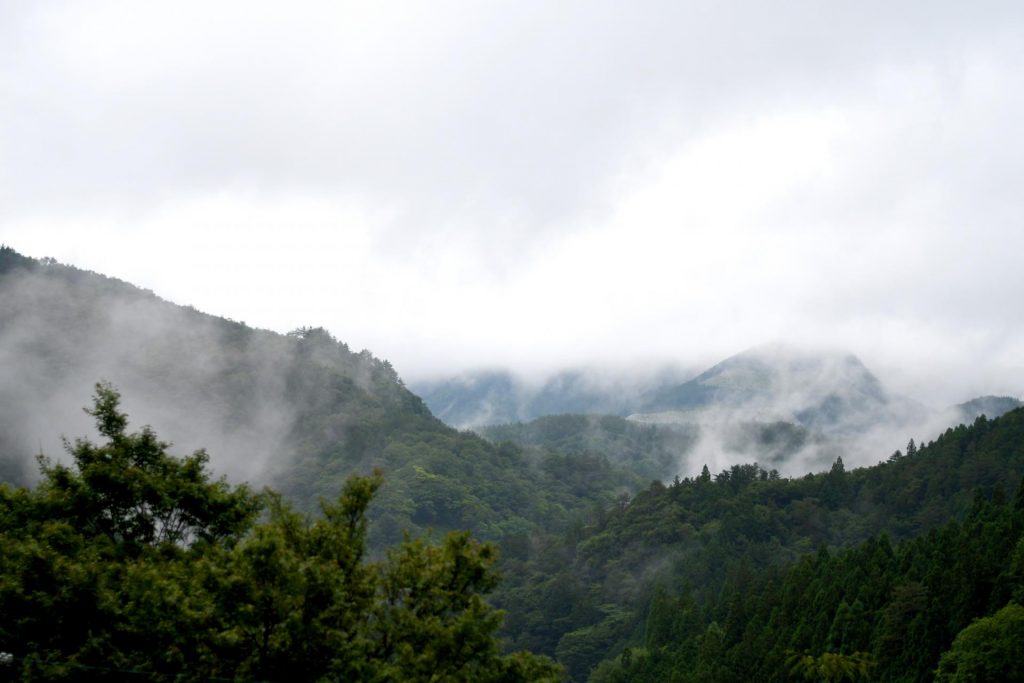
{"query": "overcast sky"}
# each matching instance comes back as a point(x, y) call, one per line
point(540, 184)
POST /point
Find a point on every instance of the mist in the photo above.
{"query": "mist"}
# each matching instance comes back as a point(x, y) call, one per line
point(199, 382)
point(794, 408)
point(495, 396)
point(515, 185)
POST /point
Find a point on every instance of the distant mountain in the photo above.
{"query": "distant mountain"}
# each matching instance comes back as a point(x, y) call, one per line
point(490, 397)
point(989, 406)
point(485, 397)
point(779, 405)
point(828, 392)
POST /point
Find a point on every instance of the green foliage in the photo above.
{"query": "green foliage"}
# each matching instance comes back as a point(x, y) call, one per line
point(727, 549)
point(132, 492)
point(126, 558)
point(306, 405)
point(987, 650)
point(871, 610)
point(131, 561)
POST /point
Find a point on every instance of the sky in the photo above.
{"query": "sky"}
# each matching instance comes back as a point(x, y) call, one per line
point(536, 185)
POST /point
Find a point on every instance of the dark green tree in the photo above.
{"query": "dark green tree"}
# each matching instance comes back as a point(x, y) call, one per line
point(131, 561)
point(132, 491)
point(987, 650)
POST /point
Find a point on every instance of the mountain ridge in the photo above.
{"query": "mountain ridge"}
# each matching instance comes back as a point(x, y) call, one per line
point(300, 411)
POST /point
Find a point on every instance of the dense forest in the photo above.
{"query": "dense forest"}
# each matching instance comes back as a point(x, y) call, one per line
point(358, 564)
point(709, 546)
point(946, 602)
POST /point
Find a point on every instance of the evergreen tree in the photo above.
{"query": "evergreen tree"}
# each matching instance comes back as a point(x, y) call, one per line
point(132, 561)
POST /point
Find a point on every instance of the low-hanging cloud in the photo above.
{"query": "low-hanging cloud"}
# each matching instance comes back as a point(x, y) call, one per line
point(461, 185)
point(198, 381)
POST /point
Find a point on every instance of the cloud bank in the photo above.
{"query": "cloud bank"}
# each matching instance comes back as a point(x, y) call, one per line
point(458, 184)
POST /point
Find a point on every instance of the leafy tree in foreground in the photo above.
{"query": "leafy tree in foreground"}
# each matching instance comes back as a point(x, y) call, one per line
point(130, 491)
point(131, 561)
point(987, 650)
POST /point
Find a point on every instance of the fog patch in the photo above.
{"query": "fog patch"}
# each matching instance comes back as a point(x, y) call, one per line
point(793, 408)
point(198, 381)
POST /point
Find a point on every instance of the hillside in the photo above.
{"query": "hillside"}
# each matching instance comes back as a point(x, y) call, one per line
point(989, 406)
point(660, 451)
point(301, 411)
point(592, 560)
point(585, 596)
point(945, 607)
point(212, 382)
point(651, 451)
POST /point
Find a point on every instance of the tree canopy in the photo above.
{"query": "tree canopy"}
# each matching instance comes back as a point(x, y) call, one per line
point(129, 560)
point(987, 650)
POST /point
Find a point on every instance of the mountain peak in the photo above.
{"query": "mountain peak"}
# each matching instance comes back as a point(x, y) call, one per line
point(821, 389)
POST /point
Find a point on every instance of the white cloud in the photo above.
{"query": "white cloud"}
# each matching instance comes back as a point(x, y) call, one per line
point(455, 184)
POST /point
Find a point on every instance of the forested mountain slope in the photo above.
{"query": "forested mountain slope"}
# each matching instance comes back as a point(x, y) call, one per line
point(659, 451)
point(590, 570)
point(587, 595)
point(301, 410)
point(652, 451)
point(869, 612)
point(819, 390)
point(989, 406)
point(211, 382)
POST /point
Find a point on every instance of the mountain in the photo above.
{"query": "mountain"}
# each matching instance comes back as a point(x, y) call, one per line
point(725, 556)
point(485, 397)
point(210, 382)
point(710, 577)
point(662, 451)
point(828, 392)
point(785, 407)
point(299, 411)
point(989, 406)
point(489, 397)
